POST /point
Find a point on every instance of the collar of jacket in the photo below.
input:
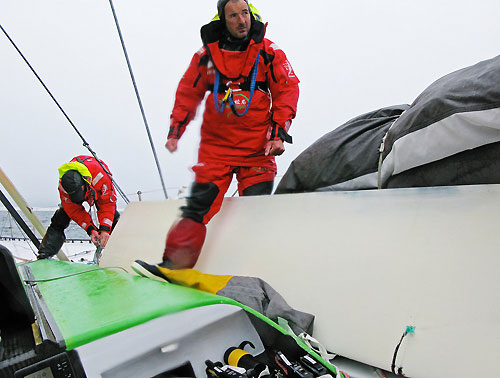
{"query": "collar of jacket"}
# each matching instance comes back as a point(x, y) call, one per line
point(214, 31)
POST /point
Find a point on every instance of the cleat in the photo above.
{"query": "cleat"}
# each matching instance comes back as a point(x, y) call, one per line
point(148, 270)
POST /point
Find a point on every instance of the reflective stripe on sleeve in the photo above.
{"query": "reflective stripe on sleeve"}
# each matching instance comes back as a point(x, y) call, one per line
point(107, 221)
point(97, 178)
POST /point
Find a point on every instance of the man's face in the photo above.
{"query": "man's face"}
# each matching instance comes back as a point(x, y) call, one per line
point(237, 18)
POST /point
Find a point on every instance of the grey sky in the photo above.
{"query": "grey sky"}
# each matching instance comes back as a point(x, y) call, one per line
point(351, 57)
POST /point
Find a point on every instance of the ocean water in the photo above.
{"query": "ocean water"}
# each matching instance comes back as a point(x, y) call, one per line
point(10, 229)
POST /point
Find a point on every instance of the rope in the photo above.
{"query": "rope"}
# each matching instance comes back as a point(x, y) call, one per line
point(85, 144)
point(118, 189)
point(138, 97)
point(21, 259)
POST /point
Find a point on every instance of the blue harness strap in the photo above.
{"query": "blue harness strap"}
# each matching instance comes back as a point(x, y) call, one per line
point(229, 97)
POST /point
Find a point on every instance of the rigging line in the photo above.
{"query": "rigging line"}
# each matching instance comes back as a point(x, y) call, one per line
point(43, 84)
point(154, 190)
point(85, 144)
point(138, 98)
point(116, 186)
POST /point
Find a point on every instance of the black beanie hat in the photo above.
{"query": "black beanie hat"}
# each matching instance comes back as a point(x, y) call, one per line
point(221, 4)
point(74, 184)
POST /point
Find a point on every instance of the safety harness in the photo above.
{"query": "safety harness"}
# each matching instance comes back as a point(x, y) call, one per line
point(228, 96)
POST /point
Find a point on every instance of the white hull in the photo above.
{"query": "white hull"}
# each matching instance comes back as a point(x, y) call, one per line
point(366, 263)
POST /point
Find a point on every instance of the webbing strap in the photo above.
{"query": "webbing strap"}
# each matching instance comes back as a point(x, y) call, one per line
point(381, 153)
point(228, 97)
point(310, 341)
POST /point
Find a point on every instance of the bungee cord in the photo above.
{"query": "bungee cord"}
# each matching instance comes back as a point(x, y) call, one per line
point(31, 282)
point(138, 97)
point(85, 144)
point(409, 330)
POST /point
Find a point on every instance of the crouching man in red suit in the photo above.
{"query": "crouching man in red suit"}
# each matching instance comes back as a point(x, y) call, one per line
point(83, 179)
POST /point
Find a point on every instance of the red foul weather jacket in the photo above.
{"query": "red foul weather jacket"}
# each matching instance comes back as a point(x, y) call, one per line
point(225, 137)
point(102, 193)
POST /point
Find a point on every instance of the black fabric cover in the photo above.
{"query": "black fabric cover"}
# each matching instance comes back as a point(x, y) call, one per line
point(349, 151)
point(450, 135)
point(470, 89)
point(480, 165)
point(454, 125)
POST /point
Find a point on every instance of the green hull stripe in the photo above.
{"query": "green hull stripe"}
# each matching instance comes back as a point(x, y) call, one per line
point(89, 306)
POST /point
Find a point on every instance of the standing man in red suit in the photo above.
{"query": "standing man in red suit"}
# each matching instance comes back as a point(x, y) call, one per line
point(252, 100)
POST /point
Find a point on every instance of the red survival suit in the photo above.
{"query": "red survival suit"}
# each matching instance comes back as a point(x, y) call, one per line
point(99, 191)
point(102, 194)
point(227, 138)
point(236, 126)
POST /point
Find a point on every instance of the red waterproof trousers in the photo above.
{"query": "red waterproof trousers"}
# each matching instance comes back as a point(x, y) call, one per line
point(185, 238)
point(221, 176)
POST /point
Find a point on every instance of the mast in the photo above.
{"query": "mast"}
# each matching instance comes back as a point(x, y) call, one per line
point(27, 211)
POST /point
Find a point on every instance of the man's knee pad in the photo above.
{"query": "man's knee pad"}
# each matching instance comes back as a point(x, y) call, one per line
point(184, 243)
point(199, 201)
point(51, 243)
point(261, 188)
point(60, 220)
